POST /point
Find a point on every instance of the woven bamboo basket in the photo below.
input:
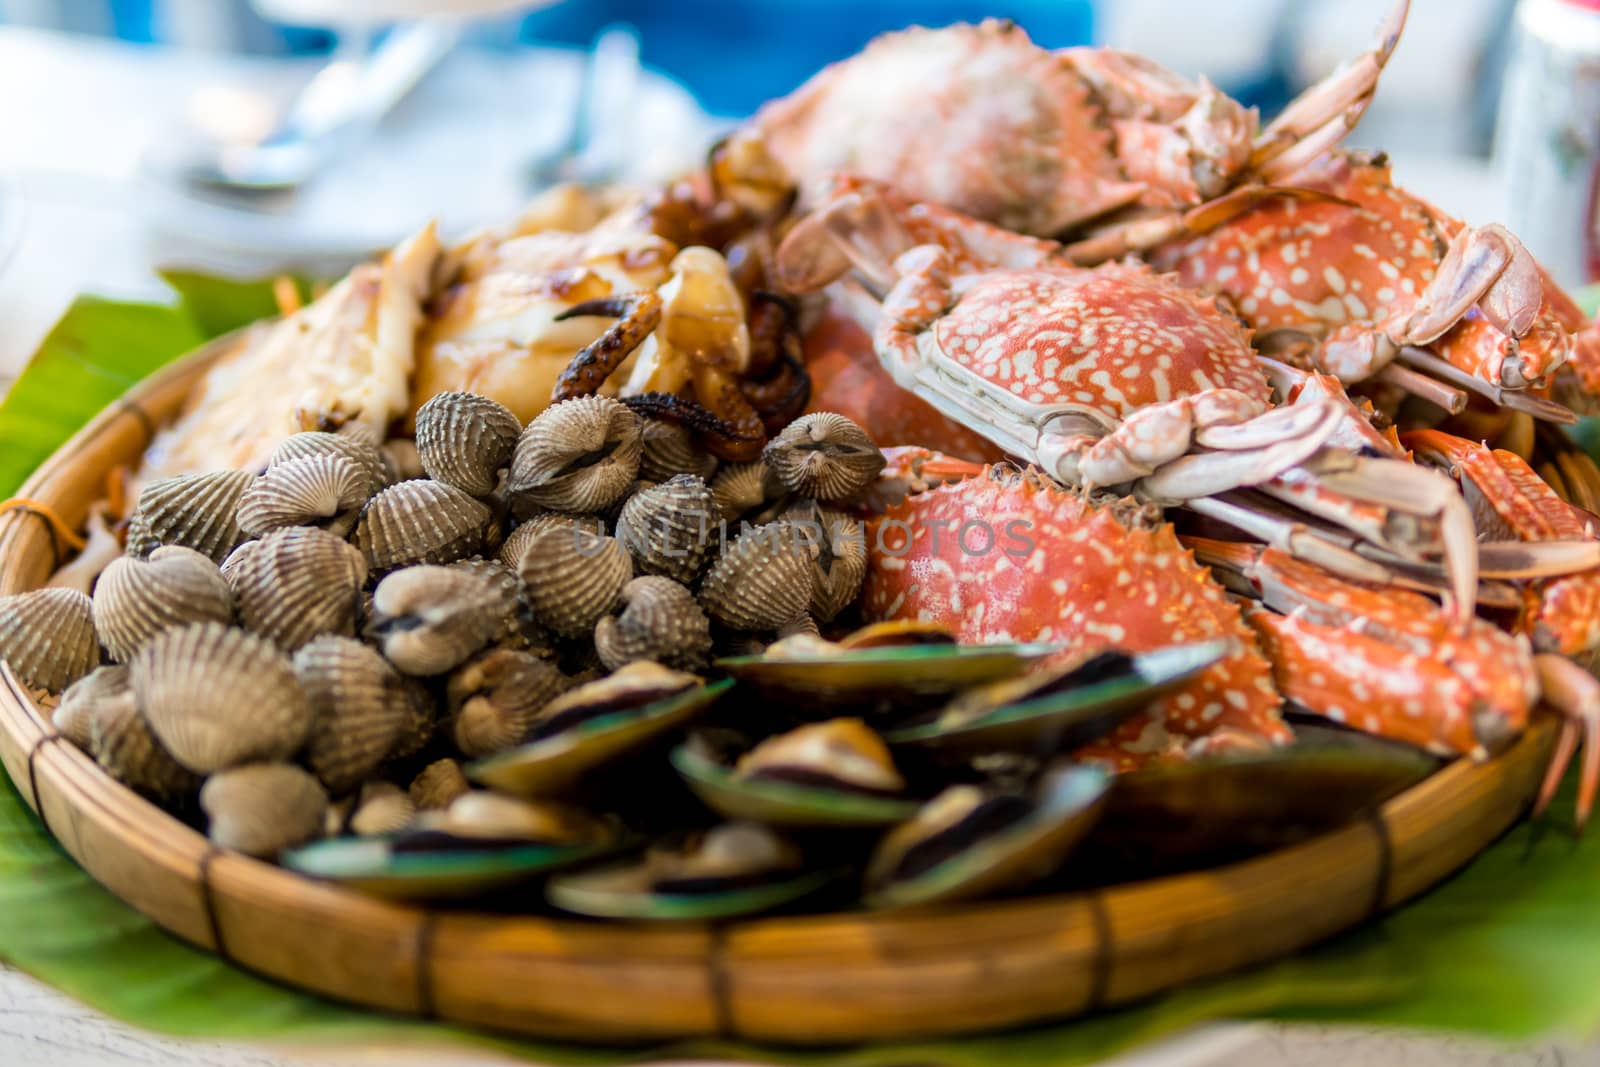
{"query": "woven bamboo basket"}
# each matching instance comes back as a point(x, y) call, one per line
point(821, 979)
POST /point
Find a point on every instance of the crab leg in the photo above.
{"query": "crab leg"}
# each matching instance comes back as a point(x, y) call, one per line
point(1317, 612)
point(1575, 694)
point(1510, 498)
point(1327, 111)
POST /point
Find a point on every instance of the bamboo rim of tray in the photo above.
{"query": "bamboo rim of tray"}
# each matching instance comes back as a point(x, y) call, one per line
point(804, 980)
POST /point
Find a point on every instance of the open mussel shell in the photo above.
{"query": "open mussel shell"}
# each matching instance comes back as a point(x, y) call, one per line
point(482, 842)
point(807, 671)
point(734, 869)
point(577, 734)
point(971, 842)
point(831, 774)
point(1216, 810)
point(1061, 708)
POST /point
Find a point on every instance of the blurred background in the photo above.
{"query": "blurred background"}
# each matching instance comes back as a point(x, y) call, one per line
point(132, 128)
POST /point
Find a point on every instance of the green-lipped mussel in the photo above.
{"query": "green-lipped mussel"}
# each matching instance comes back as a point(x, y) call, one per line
point(837, 773)
point(737, 868)
point(1061, 707)
point(972, 841)
point(594, 724)
point(481, 842)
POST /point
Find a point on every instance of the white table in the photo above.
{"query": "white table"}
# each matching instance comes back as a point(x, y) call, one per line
point(74, 144)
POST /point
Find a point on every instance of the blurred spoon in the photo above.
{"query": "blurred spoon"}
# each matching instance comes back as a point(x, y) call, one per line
point(601, 134)
point(345, 99)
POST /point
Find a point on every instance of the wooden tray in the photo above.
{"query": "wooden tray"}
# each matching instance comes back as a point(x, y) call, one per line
point(835, 978)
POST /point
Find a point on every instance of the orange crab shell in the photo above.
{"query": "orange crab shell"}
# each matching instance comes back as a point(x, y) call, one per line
point(1118, 338)
point(1008, 556)
point(848, 379)
point(965, 96)
point(1314, 265)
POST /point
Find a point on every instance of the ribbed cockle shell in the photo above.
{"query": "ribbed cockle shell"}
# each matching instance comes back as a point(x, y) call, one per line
point(577, 456)
point(669, 528)
point(217, 697)
point(466, 440)
point(430, 619)
point(296, 584)
point(748, 492)
point(198, 511)
point(121, 741)
point(382, 808)
point(324, 490)
point(47, 637)
point(263, 808)
point(73, 714)
point(669, 449)
point(516, 545)
point(438, 784)
point(494, 698)
point(762, 580)
point(825, 456)
point(359, 706)
point(363, 453)
point(660, 621)
point(420, 521)
point(573, 578)
point(840, 563)
point(136, 599)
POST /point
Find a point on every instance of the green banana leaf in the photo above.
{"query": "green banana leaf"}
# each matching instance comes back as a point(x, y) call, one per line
point(1508, 948)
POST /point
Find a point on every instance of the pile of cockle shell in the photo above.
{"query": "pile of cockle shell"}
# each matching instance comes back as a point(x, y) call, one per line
point(435, 669)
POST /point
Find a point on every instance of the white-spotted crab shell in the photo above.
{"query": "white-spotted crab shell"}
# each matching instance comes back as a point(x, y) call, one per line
point(121, 741)
point(466, 440)
point(218, 697)
point(198, 511)
point(669, 528)
point(326, 491)
point(358, 450)
point(660, 621)
point(430, 619)
point(135, 599)
point(824, 456)
point(577, 456)
point(73, 714)
point(47, 636)
point(574, 578)
point(421, 521)
point(494, 699)
point(668, 449)
point(296, 584)
point(359, 708)
point(438, 784)
point(382, 808)
point(762, 580)
point(264, 808)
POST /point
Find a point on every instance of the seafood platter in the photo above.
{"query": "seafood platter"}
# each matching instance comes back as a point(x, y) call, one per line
point(997, 542)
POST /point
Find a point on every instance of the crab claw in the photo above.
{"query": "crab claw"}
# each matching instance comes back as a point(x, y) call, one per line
point(1575, 694)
